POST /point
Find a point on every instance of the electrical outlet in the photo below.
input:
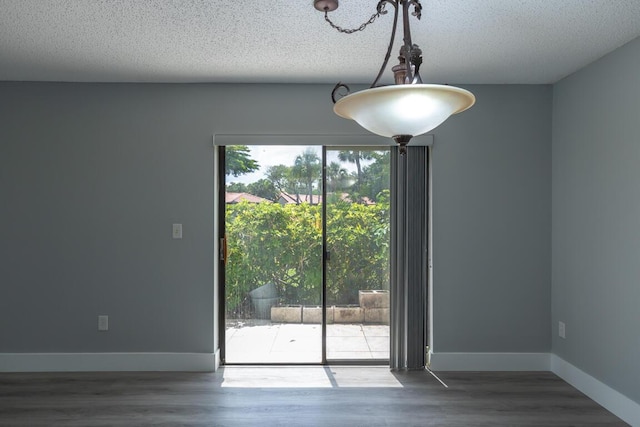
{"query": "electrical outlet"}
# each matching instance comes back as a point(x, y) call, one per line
point(562, 330)
point(103, 323)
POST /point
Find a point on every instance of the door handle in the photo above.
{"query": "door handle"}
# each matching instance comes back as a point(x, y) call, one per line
point(223, 251)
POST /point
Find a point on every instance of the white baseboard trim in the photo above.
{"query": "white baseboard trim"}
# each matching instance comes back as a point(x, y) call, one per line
point(216, 360)
point(613, 401)
point(96, 362)
point(490, 362)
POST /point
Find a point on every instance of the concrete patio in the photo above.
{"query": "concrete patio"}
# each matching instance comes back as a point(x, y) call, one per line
point(256, 341)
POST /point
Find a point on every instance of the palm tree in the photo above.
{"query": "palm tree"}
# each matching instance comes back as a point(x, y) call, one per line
point(307, 167)
point(336, 175)
point(355, 156)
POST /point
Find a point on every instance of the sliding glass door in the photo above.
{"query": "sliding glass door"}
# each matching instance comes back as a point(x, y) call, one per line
point(357, 269)
point(281, 214)
point(273, 222)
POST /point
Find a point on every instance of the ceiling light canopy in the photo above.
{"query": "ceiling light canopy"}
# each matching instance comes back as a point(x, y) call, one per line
point(408, 108)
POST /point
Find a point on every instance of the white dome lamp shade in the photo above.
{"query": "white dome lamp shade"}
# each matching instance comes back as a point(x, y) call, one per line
point(403, 111)
point(409, 108)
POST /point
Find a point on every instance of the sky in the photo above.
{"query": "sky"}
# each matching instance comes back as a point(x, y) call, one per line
point(271, 155)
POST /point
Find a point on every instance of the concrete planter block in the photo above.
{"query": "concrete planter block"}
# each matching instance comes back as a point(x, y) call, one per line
point(373, 299)
point(314, 314)
point(376, 315)
point(286, 314)
point(349, 314)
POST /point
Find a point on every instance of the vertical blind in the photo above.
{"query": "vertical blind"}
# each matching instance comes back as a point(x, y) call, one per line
point(409, 243)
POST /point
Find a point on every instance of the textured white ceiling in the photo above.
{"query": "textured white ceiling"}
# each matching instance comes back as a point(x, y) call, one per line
point(463, 41)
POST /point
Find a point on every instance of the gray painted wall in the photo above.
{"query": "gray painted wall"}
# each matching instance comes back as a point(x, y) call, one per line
point(492, 222)
point(93, 175)
point(596, 208)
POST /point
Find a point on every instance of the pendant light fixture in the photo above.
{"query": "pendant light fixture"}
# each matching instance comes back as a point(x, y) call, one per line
point(408, 108)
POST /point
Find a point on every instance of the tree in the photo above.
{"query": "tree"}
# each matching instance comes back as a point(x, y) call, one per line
point(263, 188)
point(375, 177)
point(354, 156)
point(280, 176)
point(308, 169)
point(238, 162)
point(236, 187)
point(337, 177)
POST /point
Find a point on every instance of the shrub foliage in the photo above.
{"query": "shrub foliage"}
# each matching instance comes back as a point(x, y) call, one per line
point(282, 244)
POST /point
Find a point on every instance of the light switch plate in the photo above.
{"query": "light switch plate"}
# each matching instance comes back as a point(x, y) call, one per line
point(177, 231)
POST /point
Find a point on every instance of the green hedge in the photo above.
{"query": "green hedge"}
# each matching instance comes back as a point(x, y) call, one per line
point(282, 244)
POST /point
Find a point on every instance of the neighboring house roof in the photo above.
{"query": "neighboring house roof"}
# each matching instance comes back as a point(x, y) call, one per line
point(286, 198)
point(243, 197)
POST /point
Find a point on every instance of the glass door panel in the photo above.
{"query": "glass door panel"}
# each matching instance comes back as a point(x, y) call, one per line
point(273, 274)
point(357, 270)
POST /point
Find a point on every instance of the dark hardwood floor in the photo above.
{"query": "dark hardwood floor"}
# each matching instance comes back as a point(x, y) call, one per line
point(296, 396)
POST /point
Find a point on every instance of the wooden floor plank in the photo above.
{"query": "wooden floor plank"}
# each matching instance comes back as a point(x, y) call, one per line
point(296, 396)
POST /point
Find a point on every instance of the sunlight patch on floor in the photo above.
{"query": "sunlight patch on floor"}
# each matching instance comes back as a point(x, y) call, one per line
point(309, 377)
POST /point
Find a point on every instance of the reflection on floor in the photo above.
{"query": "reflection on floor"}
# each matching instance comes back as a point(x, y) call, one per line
point(265, 342)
